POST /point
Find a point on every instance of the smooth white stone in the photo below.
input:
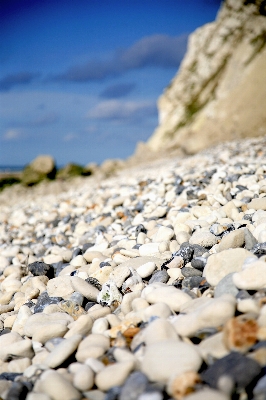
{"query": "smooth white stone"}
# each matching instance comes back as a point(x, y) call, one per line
point(148, 249)
point(169, 295)
point(160, 361)
point(253, 277)
point(221, 264)
point(212, 313)
point(83, 378)
point(113, 375)
point(146, 269)
point(62, 351)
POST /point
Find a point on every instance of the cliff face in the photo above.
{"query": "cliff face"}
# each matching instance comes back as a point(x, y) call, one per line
point(219, 92)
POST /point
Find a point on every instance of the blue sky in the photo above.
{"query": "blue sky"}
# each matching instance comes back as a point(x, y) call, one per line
point(79, 79)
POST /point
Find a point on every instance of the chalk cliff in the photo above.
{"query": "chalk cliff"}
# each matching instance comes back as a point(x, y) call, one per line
point(219, 92)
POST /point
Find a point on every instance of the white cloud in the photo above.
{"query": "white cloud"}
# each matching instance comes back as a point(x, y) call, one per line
point(122, 110)
point(69, 137)
point(12, 134)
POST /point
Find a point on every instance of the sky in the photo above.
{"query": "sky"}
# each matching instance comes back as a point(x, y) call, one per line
point(80, 79)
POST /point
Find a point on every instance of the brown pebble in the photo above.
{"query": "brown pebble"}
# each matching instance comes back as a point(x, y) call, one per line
point(183, 384)
point(240, 333)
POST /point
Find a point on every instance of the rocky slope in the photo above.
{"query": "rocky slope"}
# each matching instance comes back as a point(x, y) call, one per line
point(219, 92)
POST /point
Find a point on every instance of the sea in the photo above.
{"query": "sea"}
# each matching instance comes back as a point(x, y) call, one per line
point(11, 168)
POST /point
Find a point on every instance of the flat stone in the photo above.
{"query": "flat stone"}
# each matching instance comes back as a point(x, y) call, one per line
point(164, 233)
point(158, 330)
point(159, 362)
point(60, 286)
point(86, 289)
point(169, 295)
point(62, 351)
point(226, 285)
point(203, 238)
point(92, 345)
point(257, 204)
point(232, 240)
point(19, 349)
point(211, 313)
point(149, 249)
point(82, 326)
point(207, 394)
point(42, 327)
point(253, 277)
point(221, 264)
point(119, 275)
point(113, 375)
point(57, 387)
point(83, 378)
point(146, 269)
point(213, 346)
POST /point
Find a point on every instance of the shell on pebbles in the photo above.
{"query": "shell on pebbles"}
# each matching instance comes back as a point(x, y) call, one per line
point(109, 295)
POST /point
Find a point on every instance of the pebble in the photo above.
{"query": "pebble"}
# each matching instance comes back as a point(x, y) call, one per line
point(253, 277)
point(223, 263)
point(113, 375)
point(159, 362)
point(144, 285)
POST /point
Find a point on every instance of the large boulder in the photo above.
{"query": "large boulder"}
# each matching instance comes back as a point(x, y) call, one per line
point(42, 167)
point(219, 92)
point(71, 170)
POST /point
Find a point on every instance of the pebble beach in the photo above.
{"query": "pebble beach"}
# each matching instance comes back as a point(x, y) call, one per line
point(146, 285)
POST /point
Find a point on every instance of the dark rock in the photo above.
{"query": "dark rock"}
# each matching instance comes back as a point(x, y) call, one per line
point(186, 251)
point(259, 391)
point(113, 393)
point(94, 282)
point(140, 228)
point(179, 189)
point(199, 263)
point(178, 179)
point(39, 268)
point(233, 178)
point(198, 250)
point(18, 391)
point(226, 286)
point(191, 282)
point(242, 295)
point(76, 252)
point(9, 376)
point(100, 229)
point(4, 331)
point(89, 304)
point(86, 246)
point(248, 217)
point(250, 240)
point(259, 249)
point(241, 369)
point(59, 266)
point(66, 219)
point(241, 188)
point(42, 167)
point(104, 264)
point(159, 276)
point(44, 300)
point(187, 272)
point(134, 386)
point(192, 194)
point(246, 200)
point(139, 206)
point(69, 171)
